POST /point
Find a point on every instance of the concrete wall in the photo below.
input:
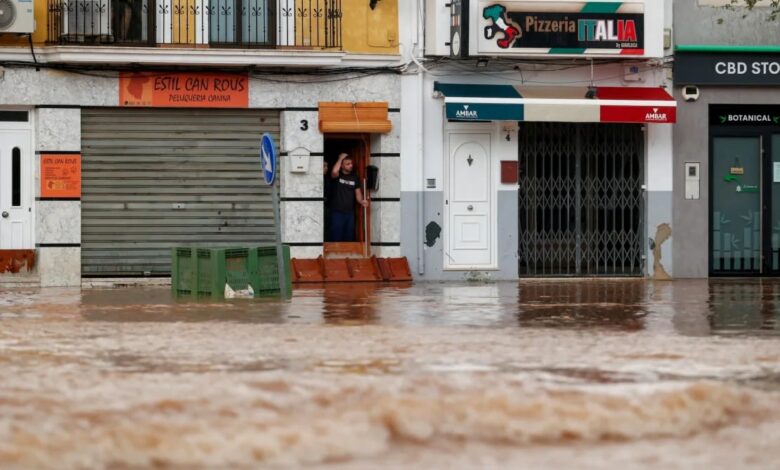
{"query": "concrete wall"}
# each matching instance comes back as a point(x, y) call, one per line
point(57, 222)
point(708, 22)
point(55, 99)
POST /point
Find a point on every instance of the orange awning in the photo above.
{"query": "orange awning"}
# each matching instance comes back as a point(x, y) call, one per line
point(354, 117)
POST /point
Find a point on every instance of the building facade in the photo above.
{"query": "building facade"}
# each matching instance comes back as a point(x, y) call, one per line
point(542, 136)
point(726, 141)
point(132, 127)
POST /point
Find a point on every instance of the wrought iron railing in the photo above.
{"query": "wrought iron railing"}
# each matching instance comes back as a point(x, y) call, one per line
point(197, 23)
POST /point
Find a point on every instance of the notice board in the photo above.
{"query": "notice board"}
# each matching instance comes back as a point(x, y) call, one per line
point(60, 175)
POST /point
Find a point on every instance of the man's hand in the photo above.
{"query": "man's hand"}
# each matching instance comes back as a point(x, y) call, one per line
point(364, 203)
point(336, 170)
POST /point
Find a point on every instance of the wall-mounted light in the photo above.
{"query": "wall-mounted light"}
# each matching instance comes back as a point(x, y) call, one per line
point(509, 127)
point(482, 63)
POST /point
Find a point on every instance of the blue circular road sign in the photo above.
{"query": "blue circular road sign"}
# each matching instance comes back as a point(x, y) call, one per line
point(268, 158)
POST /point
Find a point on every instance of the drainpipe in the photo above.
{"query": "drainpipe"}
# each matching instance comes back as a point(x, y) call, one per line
point(420, 136)
point(420, 156)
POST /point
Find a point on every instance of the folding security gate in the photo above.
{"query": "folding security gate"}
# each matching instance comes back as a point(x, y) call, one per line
point(581, 199)
point(157, 178)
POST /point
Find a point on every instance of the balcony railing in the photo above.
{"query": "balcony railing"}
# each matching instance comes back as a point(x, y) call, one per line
point(307, 24)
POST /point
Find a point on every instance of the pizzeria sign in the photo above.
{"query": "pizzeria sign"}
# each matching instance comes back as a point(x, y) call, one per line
point(572, 28)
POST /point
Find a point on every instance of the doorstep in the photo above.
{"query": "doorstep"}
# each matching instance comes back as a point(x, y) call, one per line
point(17, 268)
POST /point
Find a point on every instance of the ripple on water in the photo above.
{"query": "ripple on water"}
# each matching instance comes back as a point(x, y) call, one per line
point(292, 420)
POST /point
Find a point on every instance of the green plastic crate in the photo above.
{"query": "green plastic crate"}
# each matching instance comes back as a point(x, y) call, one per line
point(205, 271)
point(263, 261)
point(218, 266)
point(183, 275)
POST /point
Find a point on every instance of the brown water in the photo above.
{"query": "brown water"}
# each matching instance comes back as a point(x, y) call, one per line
point(585, 374)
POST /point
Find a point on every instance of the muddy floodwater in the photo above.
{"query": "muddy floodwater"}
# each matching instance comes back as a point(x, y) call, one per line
point(535, 374)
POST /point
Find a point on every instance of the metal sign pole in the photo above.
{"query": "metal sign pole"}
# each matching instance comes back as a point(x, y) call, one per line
point(279, 248)
point(366, 249)
point(270, 162)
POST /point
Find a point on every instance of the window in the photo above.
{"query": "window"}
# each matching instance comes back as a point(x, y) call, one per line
point(16, 177)
point(13, 116)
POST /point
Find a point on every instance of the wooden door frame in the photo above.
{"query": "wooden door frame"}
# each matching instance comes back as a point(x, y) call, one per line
point(360, 247)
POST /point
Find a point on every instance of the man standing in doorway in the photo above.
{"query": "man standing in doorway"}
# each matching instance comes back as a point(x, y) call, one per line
point(345, 192)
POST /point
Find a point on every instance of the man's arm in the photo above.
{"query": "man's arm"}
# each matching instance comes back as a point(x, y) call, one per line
point(359, 198)
point(336, 171)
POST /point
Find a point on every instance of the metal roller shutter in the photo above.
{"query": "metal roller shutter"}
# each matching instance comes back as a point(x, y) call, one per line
point(156, 178)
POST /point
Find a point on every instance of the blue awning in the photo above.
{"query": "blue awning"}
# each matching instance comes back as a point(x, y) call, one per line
point(481, 102)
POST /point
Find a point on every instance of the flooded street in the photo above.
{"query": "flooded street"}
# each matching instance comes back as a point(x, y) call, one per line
point(586, 374)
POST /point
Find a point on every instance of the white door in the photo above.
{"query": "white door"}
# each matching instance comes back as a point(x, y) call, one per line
point(16, 193)
point(469, 200)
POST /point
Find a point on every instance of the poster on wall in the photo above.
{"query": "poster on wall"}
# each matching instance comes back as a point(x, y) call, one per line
point(184, 90)
point(509, 27)
point(60, 175)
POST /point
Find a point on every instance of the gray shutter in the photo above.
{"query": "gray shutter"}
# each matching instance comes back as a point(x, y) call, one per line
point(157, 178)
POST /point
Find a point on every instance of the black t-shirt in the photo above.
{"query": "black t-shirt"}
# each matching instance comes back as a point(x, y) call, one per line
point(342, 195)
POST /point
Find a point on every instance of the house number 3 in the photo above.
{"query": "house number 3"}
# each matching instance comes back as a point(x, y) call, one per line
point(304, 125)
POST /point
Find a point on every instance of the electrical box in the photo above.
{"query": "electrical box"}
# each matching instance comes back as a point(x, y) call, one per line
point(299, 160)
point(633, 73)
point(692, 178)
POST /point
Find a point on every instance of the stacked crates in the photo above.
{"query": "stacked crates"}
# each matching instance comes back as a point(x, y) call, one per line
point(203, 272)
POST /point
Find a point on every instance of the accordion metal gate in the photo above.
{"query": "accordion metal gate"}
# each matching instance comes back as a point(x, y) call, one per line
point(581, 199)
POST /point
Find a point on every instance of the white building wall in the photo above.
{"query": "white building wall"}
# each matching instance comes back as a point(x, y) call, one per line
point(424, 123)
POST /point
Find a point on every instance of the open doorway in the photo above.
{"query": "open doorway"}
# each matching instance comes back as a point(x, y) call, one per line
point(357, 243)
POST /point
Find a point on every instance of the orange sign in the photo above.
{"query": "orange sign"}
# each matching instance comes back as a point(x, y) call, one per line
point(184, 90)
point(60, 175)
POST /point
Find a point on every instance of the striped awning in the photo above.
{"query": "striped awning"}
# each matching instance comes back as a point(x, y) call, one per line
point(557, 104)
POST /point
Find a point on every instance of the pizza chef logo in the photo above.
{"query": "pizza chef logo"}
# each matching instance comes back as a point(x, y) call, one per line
point(501, 24)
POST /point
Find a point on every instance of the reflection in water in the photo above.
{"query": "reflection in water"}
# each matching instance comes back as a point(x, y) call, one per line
point(351, 304)
point(688, 307)
point(739, 306)
point(583, 304)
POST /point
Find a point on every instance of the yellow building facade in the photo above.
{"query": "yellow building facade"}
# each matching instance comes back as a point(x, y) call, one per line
point(360, 28)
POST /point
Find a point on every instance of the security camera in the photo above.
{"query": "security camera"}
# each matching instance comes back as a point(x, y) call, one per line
point(690, 93)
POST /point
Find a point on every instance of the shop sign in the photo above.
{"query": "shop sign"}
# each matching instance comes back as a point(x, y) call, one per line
point(588, 28)
point(726, 69)
point(184, 90)
point(60, 175)
point(657, 115)
point(485, 112)
point(744, 115)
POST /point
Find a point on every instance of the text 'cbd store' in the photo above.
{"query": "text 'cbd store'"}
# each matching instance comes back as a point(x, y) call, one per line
point(549, 152)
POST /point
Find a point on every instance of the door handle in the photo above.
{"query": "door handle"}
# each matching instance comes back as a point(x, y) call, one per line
point(470, 207)
point(5, 214)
